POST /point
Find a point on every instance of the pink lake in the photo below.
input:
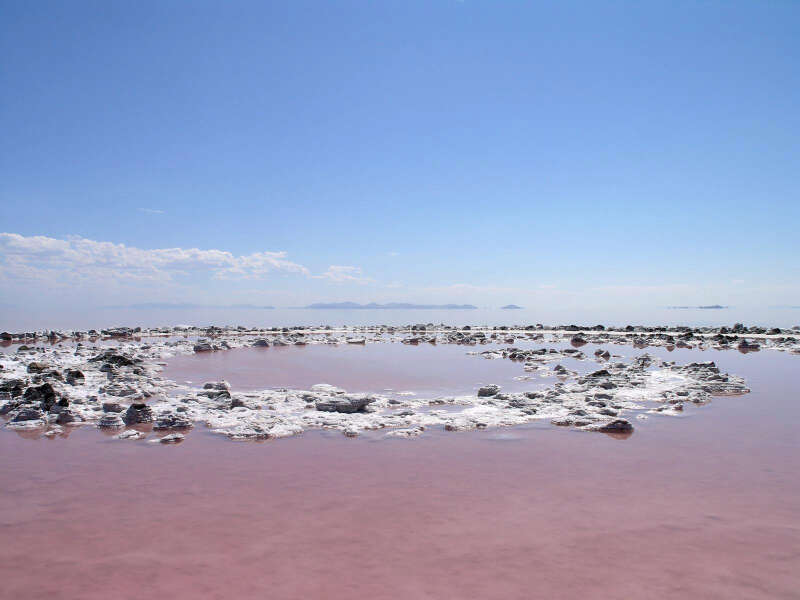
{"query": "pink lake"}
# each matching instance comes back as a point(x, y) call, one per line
point(700, 506)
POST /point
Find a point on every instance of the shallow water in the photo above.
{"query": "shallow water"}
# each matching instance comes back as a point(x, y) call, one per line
point(699, 506)
point(375, 367)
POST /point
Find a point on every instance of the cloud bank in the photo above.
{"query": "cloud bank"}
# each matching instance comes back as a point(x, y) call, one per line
point(78, 259)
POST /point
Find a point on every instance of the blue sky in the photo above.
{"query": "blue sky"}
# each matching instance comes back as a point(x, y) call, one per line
point(592, 153)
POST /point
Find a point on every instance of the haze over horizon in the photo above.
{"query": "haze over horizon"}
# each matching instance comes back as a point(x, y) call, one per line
point(571, 155)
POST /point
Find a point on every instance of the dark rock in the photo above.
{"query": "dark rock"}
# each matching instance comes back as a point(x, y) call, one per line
point(13, 387)
point(488, 390)
point(344, 404)
point(67, 416)
point(138, 412)
point(172, 421)
point(111, 421)
point(74, 377)
point(745, 346)
point(113, 358)
point(613, 426)
point(27, 413)
point(600, 373)
point(44, 394)
point(578, 341)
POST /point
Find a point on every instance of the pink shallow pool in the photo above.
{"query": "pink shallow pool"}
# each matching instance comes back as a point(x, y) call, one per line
point(375, 367)
point(701, 506)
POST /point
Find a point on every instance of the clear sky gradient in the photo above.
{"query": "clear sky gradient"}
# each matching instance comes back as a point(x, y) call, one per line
point(540, 153)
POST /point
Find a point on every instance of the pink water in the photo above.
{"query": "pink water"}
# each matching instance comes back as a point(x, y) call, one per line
point(703, 506)
point(443, 369)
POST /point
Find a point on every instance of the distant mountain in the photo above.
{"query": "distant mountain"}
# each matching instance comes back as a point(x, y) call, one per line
point(188, 306)
point(389, 305)
point(709, 307)
point(510, 307)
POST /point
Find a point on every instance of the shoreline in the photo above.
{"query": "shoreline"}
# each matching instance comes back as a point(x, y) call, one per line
point(733, 332)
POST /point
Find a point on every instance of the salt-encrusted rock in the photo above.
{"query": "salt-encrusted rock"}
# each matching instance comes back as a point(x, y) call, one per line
point(216, 394)
point(172, 438)
point(216, 385)
point(74, 377)
point(613, 426)
point(604, 354)
point(406, 433)
point(203, 347)
point(37, 367)
point(344, 404)
point(261, 343)
point(356, 340)
point(27, 413)
point(112, 407)
point(9, 406)
point(488, 390)
point(172, 421)
point(119, 332)
point(111, 421)
point(130, 434)
point(43, 394)
point(67, 416)
point(112, 357)
point(578, 340)
point(216, 389)
point(745, 346)
point(121, 389)
point(138, 412)
point(13, 387)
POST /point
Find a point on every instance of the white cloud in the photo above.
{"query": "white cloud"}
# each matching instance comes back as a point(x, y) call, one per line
point(152, 211)
point(81, 260)
point(340, 273)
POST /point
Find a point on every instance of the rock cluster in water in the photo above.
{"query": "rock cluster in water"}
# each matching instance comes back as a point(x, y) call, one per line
point(111, 379)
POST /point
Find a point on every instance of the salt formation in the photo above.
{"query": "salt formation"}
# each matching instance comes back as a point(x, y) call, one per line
point(118, 385)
